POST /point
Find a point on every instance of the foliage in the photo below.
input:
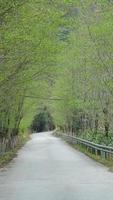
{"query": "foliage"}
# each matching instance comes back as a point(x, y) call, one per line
point(84, 82)
point(27, 60)
point(42, 121)
point(56, 54)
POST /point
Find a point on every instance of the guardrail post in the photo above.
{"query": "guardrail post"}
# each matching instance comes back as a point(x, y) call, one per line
point(104, 152)
point(96, 152)
point(103, 155)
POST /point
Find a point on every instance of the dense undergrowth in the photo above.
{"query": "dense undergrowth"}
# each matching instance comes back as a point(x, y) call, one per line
point(98, 138)
point(7, 156)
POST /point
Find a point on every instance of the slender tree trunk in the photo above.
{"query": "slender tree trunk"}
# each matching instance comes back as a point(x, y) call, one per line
point(96, 123)
point(106, 119)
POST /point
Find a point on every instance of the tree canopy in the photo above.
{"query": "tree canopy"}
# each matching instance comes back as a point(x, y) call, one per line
point(57, 54)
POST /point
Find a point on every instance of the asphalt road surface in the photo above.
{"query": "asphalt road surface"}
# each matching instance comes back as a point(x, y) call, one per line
point(47, 168)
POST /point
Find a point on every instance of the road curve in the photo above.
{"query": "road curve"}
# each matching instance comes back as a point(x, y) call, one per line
point(47, 168)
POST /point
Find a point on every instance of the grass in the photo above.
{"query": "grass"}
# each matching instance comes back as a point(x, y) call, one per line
point(106, 162)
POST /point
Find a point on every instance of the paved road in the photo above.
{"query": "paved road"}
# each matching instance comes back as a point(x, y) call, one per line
point(46, 168)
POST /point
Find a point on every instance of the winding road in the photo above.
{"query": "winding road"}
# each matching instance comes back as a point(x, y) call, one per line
point(47, 168)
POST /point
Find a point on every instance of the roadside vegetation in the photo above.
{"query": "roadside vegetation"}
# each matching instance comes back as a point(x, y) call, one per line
point(56, 55)
point(85, 80)
point(28, 52)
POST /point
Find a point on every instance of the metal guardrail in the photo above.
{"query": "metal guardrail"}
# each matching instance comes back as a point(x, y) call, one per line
point(97, 149)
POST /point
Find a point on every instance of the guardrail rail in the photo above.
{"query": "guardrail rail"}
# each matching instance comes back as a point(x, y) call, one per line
point(104, 151)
